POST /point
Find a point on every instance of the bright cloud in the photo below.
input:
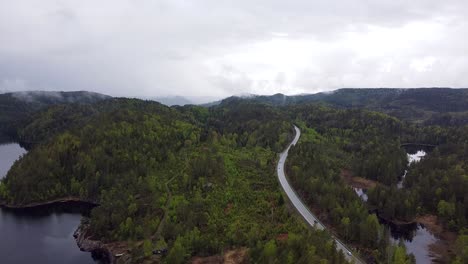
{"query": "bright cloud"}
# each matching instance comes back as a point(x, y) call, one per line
point(218, 48)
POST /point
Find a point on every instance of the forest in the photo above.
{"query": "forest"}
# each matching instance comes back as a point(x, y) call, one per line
point(368, 144)
point(19, 109)
point(201, 180)
point(195, 180)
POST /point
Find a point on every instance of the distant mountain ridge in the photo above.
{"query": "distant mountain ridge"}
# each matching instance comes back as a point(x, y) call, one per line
point(182, 100)
point(172, 100)
point(414, 104)
point(432, 106)
point(359, 97)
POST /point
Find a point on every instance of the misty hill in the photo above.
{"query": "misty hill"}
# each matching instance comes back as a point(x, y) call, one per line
point(52, 97)
point(185, 100)
point(442, 106)
point(16, 107)
point(172, 100)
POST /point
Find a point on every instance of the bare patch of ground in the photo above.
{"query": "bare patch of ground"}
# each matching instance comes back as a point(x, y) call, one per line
point(237, 256)
point(234, 256)
point(282, 237)
point(228, 208)
point(207, 260)
point(356, 182)
point(431, 223)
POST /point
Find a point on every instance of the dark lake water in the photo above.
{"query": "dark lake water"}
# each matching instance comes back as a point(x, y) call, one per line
point(417, 240)
point(42, 235)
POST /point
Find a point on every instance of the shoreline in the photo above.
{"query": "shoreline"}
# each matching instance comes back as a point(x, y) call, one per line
point(443, 248)
point(57, 201)
point(82, 235)
point(105, 252)
point(440, 250)
point(110, 253)
point(399, 223)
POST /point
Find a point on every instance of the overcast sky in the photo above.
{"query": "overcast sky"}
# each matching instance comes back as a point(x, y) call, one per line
point(219, 48)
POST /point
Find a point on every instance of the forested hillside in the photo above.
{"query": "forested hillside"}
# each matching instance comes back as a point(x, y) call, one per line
point(19, 109)
point(201, 180)
point(337, 143)
point(197, 181)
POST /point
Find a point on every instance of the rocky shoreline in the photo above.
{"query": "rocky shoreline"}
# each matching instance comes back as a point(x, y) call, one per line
point(85, 242)
point(112, 253)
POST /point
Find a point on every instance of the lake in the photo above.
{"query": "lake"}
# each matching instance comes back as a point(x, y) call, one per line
point(40, 235)
point(417, 240)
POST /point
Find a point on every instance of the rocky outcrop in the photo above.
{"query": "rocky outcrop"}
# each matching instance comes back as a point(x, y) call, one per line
point(112, 253)
point(98, 249)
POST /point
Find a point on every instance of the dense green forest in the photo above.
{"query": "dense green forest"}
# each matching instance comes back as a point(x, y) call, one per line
point(367, 144)
point(201, 180)
point(356, 140)
point(435, 185)
point(197, 180)
point(20, 108)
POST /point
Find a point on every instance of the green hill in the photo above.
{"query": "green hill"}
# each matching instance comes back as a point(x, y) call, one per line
point(201, 180)
point(17, 109)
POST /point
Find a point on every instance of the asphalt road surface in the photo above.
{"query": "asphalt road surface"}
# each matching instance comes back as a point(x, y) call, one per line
point(300, 206)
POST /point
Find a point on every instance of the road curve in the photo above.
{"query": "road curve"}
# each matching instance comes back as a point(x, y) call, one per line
point(310, 218)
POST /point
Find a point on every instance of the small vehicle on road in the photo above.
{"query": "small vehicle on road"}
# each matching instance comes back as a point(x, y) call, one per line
point(162, 251)
point(349, 253)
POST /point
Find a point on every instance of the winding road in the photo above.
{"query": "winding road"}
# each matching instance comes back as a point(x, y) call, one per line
point(310, 218)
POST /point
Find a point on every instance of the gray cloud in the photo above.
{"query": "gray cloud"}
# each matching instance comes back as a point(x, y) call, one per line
point(217, 48)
